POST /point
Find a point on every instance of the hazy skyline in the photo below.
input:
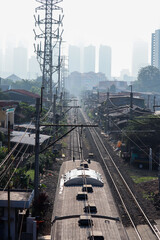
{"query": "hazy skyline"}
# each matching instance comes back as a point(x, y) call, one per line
point(117, 24)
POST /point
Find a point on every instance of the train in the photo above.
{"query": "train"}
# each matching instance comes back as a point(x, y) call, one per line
point(84, 207)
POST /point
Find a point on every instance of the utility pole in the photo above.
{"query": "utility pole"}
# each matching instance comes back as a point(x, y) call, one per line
point(9, 130)
point(154, 103)
point(59, 62)
point(61, 103)
point(150, 159)
point(159, 172)
point(9, 209)
point(131, 103)
point(9, 219)
point(108, 111)
point(148, 101)
point(54, 107)
point(36, 176)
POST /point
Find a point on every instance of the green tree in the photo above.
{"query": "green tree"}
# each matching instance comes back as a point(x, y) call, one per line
point(3, 153)
point(143, 132)
point(148, 79)
point(36, 89)
point(3, 96)
point(112, 88)
point(24, 113)
point(29, 85)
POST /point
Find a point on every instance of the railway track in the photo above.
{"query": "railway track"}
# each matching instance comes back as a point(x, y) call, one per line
point(132, 210)
point(75, 141)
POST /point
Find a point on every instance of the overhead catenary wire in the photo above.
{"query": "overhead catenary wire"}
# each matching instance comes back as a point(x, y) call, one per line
point(14, 148)
point(10, 165)
point(21, 159)
point(133, 142)
point(118, 109)
point(13, 160)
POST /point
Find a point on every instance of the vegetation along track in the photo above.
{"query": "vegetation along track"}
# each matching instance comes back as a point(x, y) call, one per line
point(133, 213)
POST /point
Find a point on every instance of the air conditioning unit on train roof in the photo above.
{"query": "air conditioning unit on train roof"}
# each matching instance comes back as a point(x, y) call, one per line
point(87, 188)
point(90, 208)
point(84, 164)
point(96, 235)
point(82, 196)
point(85, 220)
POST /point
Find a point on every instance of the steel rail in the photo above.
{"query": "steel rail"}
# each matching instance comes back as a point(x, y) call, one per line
point(127, 186)
point(154, 230)
point(134, 226)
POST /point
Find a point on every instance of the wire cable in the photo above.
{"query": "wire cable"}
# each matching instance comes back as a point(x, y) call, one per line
point(134, 142)
point(11, 152)
point(21, 159)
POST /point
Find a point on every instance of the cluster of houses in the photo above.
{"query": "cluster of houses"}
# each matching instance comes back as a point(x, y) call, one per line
point(20, 200)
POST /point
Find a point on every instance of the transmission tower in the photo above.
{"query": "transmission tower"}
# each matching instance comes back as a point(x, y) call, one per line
point(49, 29)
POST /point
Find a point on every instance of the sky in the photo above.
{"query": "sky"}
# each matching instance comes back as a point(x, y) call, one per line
point(116, 23)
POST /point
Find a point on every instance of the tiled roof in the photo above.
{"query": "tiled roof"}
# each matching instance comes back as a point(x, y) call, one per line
point(8, 103)
point(24, 92)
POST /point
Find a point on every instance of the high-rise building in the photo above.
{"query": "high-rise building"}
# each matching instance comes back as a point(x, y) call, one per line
point(33, 68)
point(1, 62)
point(74, 55)
point(155, 49)
point(8, 61)
point(89, 57)
point(20, 62)
point(139, 57)
point(105, 61)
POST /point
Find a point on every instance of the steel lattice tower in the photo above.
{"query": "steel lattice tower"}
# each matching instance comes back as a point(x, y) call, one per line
point(49, 32)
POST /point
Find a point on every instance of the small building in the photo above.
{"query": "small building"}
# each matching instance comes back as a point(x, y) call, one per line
point(20, 201)
point(7, 109)
point(22, 95)
point(28, 139)
point(29, 127)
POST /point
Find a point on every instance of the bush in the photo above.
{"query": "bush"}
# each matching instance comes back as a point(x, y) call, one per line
point(40, 205)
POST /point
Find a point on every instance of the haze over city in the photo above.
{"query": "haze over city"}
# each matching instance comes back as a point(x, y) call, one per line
point(117, 24)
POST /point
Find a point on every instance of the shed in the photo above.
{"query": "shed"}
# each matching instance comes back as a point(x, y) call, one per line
point(19, 200)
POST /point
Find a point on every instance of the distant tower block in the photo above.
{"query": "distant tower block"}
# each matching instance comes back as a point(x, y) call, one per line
point(105, 61)
point(89, 59)
point(155, 57)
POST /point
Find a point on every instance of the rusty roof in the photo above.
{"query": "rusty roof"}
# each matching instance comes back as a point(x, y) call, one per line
point(24, 92)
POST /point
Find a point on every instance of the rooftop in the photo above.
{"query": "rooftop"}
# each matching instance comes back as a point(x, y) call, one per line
point(8, 103)
point(24, 92)
point(27, 138)
point(27, 126)
point(18, 198)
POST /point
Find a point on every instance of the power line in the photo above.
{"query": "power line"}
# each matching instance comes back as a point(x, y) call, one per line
point(14, 148)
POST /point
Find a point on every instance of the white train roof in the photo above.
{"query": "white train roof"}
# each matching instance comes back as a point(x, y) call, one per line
point(83, 176)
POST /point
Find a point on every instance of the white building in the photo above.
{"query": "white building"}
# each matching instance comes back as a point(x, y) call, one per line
point(155, 51)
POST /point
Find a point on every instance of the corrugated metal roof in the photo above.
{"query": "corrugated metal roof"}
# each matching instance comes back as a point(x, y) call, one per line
point(28, 138)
